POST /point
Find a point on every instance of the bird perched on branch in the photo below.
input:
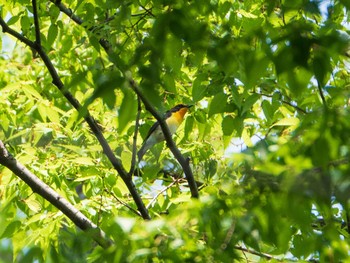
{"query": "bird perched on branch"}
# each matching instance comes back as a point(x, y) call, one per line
point(173, 118)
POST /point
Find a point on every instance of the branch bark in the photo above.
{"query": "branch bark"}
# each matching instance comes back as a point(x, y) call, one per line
point(53, 197)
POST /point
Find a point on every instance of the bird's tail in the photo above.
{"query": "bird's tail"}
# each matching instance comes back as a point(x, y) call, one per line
point(143, 150)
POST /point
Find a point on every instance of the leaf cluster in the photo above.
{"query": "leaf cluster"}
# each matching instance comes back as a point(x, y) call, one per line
point(267, 138)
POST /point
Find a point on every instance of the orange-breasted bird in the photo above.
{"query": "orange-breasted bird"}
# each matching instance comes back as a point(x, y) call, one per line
point(173, 118)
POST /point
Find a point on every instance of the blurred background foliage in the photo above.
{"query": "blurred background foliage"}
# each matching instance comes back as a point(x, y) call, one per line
point(268, 136)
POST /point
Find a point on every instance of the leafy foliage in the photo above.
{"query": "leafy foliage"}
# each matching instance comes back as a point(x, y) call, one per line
point(267, 138)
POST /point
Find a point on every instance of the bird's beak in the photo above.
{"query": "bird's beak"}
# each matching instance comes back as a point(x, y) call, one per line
point(189, 106)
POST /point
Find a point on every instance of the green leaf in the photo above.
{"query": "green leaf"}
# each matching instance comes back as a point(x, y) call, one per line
point(267, 109)
point(12, 20)
point(52, 114)
point(33, 205)
point(172, 53)
point(200, 116)
point(126, 159)
point(218, 104)
point(292, 121)
point(86, 161)
point(42, 111)
point(255, 68)
point(54, 12)
point(322, 68)
point(227, 125)
point(249, 102)
point(199, 89)
point(25, 23)
point(169, 82)
point(11, 228)
point(105, 85)
point(29, 89)
point(238, 125)
point(298, 80)
point(189, 123)
point(246, 137)
point(127, 110)
point(321, 152)
point(51, 36)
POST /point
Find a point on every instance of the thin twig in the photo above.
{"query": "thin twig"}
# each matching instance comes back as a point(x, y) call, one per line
point(100, 203)
point(283, 101)
point(134, 144)
point(123, 203)
point(254, 252)
point(162, 191)
point(321, 93)
point(148, 11)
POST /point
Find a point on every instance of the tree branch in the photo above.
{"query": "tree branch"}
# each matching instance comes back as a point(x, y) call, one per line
point(168, 138)
point(134, 146)
point(56, 80)
point(260, 254)
point(321, 93)
point(283, 101)
point(122, 202)
point(162, 191)
point(36, 23)
point(7, 29)
point(53, 197)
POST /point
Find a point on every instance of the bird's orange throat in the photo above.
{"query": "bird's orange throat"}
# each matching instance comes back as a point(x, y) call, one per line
point(182, 113)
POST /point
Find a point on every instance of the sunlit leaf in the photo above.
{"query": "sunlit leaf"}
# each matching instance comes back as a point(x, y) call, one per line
point(292, 121)
point(52, 35)
point(10, 229)
point(127, 110)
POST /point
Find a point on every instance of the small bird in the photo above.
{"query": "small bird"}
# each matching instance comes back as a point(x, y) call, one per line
point(173, 118)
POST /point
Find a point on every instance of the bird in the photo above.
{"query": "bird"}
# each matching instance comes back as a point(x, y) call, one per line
point(173, 118)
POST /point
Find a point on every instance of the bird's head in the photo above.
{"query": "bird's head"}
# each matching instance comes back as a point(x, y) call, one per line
point(181, 109)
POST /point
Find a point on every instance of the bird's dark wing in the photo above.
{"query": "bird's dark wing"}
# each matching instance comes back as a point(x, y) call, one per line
point(151, 130)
